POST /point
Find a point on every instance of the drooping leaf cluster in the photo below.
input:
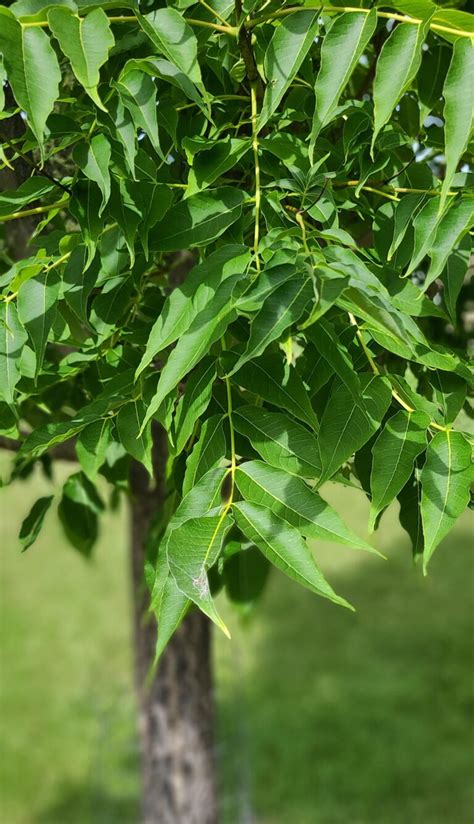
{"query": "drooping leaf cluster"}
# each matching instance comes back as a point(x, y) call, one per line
point(314, 164)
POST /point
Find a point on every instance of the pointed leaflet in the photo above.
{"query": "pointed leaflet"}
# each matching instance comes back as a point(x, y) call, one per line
point(342, 48)
point(138, 94)
point(169, 604)
point(135, 437)
point(458, 108)
point(208, 326)
point(279, 384)
point(286, 51)
point(167, 601)
point(194, 402)
point(94, 160)
point(78, 282)
point(284, 307)
point(346, 425)
point(399, 443)
point(31, 526)
point(450, 392)
point(37, 306)
point(171, 35)
point(284, 547)
point(445, 481)
point(424, 225)
point(91, 446)
point(198, 220)
point(32, 70)
point(279, 440)
point(192, 550)
point(209, 451)
point(397, 67)
point(124, 130)
point(12, 340)
point(454, 224)
point(188, 299)
point(292, 499)
point(86, 42)
point(11, 200)
point(453, 276)
point(327, 343)
point(405, 211)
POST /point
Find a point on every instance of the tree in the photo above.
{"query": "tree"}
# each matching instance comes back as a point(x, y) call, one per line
point(244, 233)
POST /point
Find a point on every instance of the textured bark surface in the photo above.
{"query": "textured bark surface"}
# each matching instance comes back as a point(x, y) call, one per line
point(176, 717)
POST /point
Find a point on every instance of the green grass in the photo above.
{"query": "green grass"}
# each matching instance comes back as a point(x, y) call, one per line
point(325, 717)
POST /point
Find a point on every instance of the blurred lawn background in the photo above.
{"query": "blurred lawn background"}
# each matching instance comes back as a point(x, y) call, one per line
point(325, 717)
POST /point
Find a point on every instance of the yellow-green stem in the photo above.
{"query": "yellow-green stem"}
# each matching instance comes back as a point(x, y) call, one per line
point(37, 210)
point(377, 371)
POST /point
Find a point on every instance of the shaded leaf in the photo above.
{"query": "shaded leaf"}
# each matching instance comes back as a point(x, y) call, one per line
point(31, 526)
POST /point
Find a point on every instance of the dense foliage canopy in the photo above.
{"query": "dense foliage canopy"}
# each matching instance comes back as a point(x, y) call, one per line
point(315, 160)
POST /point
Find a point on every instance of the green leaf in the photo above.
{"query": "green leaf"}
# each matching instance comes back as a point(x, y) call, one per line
point(218, 158)
point(12, 340)
point(78, 282)
point(279, 440)
point(207, 327)
point(410, 513)
point(458, 95)
point(291, 41)
point(347, 425)
point(86, 42)
point(192, 550)
point(280, 310)
point(91, 446)
point(31, 526)
point(32, 189)
point(124, 130)
point(290, 498)
point(134, 434)
point(405, 212)
point(194, 402)
point(94, 160)
point(342, 48)
point(169, 604)
point(452, 227)
point(402, 439)
point(78, 510)
point(450, 392)
point(424, 224)
point(138, 94)
point(397, 66)
point(209, 451)
point(32, 70)
point(270, 378)
point(284, 547)
point(454, 275)
point(187, 300)
point(245, 575)
point(445, 481)
point(326, 341)
point(198, 220)
point(171, 35)
point(37, 306)
point(84, 207)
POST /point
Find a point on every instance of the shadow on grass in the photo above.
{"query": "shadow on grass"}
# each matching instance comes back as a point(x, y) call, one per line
point(89, 804)
point(361, 718)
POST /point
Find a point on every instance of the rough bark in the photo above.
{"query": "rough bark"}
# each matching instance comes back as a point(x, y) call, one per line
point(176, 709)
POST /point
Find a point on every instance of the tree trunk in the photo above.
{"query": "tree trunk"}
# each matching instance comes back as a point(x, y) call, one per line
point(176, 712)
